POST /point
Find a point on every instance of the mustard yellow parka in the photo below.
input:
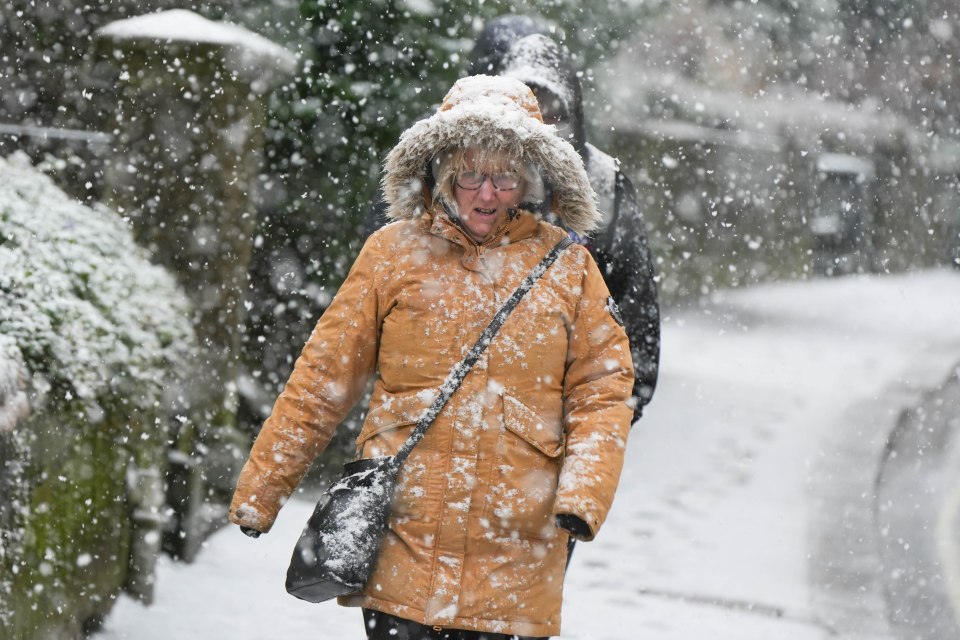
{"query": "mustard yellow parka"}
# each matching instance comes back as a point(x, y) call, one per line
point(538, 427)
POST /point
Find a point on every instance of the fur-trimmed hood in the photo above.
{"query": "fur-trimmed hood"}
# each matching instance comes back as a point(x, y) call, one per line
point(501, 113)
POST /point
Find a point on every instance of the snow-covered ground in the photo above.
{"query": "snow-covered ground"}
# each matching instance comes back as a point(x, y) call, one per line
point(774, 403)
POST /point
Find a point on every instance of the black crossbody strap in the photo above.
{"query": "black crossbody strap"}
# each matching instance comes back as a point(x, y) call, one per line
point(462, 368)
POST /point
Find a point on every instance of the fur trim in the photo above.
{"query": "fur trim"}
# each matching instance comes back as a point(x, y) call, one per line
point(498, 113)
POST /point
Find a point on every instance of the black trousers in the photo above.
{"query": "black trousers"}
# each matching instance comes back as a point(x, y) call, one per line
point(383, 626)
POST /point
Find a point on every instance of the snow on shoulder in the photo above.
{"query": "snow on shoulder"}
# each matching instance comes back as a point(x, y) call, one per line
point(538, 59)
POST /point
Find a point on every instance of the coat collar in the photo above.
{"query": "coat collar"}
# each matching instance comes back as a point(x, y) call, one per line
point(520, 227)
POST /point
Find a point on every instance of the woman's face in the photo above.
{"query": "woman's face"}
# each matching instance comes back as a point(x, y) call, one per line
point(484, 208)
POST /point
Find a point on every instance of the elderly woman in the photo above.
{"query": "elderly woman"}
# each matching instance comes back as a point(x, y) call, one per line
point(528, 451)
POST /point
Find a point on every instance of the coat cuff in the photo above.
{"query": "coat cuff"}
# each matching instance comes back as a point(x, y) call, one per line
point(246, 515)
point(574, 525)
point(583, 508)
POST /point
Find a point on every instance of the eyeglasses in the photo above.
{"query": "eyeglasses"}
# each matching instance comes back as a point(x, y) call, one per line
point(471, 180)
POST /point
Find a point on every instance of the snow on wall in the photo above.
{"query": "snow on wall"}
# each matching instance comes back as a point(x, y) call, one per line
point(87, 311)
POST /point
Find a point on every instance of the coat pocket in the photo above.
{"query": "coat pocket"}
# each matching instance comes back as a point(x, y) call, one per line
point(388, 425)
point(523, 486)
point(546, 436)
point(389, 411)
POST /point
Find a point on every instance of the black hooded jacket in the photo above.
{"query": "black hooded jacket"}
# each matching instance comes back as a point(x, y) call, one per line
point(620, 246)
point(517, 46)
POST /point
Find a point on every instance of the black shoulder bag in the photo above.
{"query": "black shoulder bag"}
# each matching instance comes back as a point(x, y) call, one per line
point(338, 548)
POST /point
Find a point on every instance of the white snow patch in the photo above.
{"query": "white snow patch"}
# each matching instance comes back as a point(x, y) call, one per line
point(180, 25)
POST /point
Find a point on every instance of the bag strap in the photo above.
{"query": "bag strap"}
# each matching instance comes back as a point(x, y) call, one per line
point(462, 368)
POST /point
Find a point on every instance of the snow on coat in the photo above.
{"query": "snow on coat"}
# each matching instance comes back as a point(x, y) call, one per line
point(538, 427)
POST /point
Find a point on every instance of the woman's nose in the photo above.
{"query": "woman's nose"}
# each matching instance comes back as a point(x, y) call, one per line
point(487, 190)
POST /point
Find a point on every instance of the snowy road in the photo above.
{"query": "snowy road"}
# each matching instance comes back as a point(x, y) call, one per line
point(746, 507)
point(919, 511)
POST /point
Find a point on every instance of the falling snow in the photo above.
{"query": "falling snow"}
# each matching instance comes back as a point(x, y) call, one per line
point(785, 174)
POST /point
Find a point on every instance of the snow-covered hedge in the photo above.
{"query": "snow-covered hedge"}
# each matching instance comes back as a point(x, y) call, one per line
point(95, 345)
point(90, 315)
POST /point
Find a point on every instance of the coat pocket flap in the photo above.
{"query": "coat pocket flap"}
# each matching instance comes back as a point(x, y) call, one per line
point(394, 411)
point(532, 428)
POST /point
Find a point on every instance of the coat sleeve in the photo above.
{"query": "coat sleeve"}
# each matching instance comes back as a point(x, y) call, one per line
point(633, 286)
point(597, 407)
point(624, 254)
point(327, 380)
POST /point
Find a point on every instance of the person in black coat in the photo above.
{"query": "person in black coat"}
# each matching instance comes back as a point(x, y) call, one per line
point(521, 47)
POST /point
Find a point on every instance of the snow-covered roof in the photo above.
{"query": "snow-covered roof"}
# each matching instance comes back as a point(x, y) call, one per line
point(845, 163)
point(180, 25)
point(683, 131)
point(630, 90)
